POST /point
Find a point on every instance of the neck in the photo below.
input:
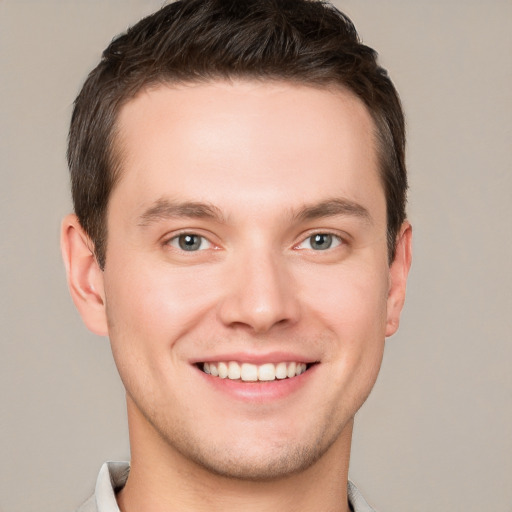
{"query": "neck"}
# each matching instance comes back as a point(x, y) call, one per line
point(162, 480)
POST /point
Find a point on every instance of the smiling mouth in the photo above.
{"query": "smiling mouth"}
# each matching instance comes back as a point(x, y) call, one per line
point(248, 372)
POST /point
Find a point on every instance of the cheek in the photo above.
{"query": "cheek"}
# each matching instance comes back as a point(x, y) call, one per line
point(149, 310)
point(347, 302)
point(351, 302)
point(349, 298)
point(158, 300)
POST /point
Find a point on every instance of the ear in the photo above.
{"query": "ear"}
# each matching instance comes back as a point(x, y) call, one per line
point(85, 278)
point(398, 272)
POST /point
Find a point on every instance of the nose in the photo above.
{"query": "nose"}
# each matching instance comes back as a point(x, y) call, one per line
point(259, 294)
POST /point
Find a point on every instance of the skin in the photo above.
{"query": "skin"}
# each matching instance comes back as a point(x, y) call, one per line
point(270, 165)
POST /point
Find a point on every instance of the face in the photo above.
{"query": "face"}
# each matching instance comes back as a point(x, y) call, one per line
point(247, 287)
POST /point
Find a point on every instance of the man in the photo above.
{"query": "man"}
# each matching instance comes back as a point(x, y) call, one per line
point(239, 234)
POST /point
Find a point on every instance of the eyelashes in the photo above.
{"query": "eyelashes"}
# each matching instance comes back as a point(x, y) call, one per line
point(320, 242)
point(190, 242)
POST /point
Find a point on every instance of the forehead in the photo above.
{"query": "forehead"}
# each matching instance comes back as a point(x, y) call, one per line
point(247, 140)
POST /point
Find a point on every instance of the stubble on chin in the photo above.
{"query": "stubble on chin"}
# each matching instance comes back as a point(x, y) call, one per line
point(278, 461)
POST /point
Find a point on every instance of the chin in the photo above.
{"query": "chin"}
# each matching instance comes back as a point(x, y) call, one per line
point(258, 458)
point(259, 467)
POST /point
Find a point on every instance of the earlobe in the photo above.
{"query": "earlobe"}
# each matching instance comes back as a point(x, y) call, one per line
point(85, 278)
point(398, 272)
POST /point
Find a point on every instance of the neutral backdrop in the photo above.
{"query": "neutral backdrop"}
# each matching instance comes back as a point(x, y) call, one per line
point(435, 434)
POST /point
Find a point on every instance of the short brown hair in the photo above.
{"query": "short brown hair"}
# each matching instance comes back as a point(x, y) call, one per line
point(300, 41)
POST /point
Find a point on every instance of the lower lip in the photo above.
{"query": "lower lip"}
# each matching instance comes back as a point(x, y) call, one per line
point(259, 391)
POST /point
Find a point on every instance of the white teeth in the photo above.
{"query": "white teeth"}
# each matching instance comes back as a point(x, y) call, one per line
point(281, 371)
point(251, 373)
point(223, 370)
point(301, 368)
point(234, 370)
point(267, 372)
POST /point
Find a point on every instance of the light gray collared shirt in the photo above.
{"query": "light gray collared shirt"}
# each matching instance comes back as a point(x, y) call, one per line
point(113, 475)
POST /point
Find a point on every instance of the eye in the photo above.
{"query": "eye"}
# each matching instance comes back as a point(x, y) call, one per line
point(190, 242)
point(320, 242)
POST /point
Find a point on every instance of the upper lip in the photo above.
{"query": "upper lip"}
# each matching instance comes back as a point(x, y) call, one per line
point(255, 358)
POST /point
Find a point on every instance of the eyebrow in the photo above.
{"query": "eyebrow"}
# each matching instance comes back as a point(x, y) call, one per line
point(333, 208)
point(165, 209)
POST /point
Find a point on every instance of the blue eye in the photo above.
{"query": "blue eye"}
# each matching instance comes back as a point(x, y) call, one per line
point(320, 242)
point(190, 242)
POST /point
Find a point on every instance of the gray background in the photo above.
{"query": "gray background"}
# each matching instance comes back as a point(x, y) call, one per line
point(435, 434)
